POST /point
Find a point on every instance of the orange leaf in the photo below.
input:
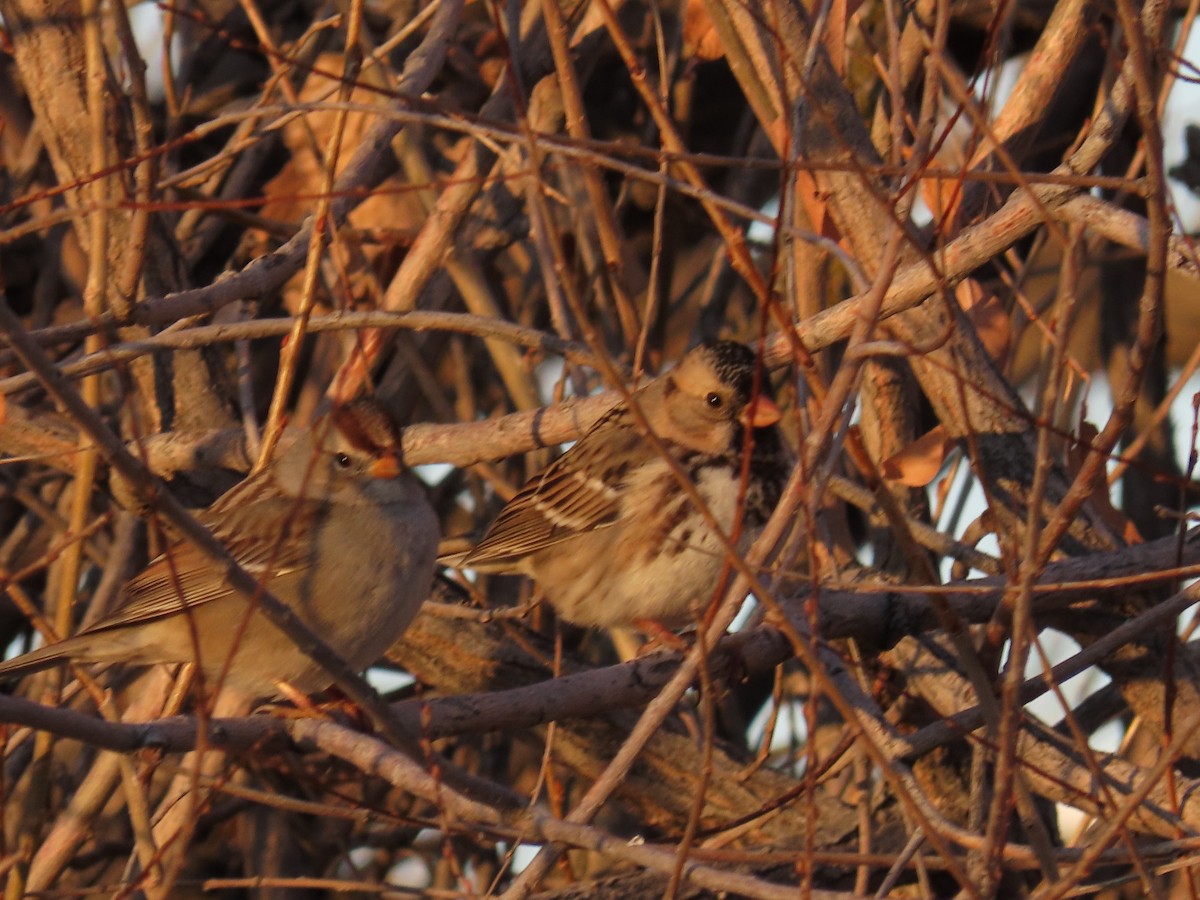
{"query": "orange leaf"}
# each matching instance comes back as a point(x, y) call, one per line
point(700, 38)
point(918, 463)
point(988, 315)
point(836, 23)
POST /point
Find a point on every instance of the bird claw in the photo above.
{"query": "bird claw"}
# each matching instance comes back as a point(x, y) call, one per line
point(659, 637)
point(303, 706)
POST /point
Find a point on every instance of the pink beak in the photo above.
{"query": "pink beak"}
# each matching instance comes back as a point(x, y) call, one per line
point(387, 466)
point(761, 413)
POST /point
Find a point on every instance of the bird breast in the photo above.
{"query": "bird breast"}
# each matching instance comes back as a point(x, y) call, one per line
point(663, 570)
point(365, 604)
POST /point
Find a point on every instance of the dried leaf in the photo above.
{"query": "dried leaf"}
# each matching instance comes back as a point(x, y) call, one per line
point(1100, 499)
point(700, 38)
point(918, 463)
point(991, 320)
point(837, 23)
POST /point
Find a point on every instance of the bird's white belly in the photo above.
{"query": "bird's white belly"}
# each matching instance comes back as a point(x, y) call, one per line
point(668, 572)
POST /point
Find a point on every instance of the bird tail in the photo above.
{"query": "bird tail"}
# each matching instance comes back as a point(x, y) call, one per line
point(43, 658)
point(460, 553)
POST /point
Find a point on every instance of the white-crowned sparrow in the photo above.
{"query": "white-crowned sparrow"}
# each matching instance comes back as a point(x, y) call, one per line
point(608, 533)
point(338, 531)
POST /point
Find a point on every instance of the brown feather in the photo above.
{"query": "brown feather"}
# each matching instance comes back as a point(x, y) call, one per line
point(606, 530)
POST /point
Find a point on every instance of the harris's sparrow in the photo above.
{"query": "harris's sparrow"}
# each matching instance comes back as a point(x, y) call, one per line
point(337, 530)
point(606, 530)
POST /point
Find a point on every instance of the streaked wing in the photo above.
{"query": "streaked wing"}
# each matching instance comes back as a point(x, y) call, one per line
point(184, 572)
point(578, 492)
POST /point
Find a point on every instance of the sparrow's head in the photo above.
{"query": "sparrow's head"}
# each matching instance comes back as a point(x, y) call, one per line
point(709, 397)
point(355, 450)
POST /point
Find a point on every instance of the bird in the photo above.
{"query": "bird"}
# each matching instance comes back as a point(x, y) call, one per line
point(336, 528)
point(606, 531)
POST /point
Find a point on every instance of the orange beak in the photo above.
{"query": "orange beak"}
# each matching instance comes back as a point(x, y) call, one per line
point(387, 466)
point(761, 412)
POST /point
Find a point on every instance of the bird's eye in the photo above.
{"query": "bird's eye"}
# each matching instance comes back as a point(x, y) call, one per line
point(714, 400)
point(343, 460)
